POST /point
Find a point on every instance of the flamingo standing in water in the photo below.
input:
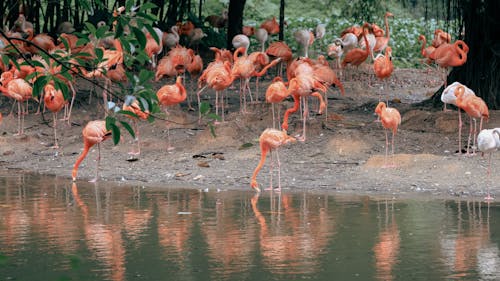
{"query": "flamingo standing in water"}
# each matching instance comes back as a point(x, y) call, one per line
point(488, 141)
point(94, 133)
point(390, 119)
point(270, 139)
point(475, 107)
point(448, 97)
point(54, 101)
point(169, 95)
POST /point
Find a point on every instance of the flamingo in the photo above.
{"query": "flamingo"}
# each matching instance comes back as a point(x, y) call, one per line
point(165, 68)
point(217, 76)
point(370, 37)
point(440, 38)
point(19, 90)
point(276, 93)
point(218, 21)
point(425, 51)
point(280, 50)
point(448, 97)
point(171, 40)
point(169, 95)
point(94, 132)
point(382, 42)
point(357, 56)
point(475, 107)
point(44, 41)
point(153, 48)
point(488, 141)
point(111, 58)
point(270, 139)
point(305, 38)
point(248, 30)
point(302, 85)
point(262, 36)
point(383, 66)
point(271, 26)
point(132, 105)
point(390, 119)
point(324, 74)
point(241, 40)
point(54, 101)
point(335, 50)
point(195, 37)
point(194, 68)
point(181, 58)
point(450, 55)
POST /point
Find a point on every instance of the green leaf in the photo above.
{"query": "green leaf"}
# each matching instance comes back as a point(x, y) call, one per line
point(204, 108)
point(63, 87)
point(128, 128)
point(82, 41)
point(99, 54)
point(115, 131)
point(153, 33)
point(39, 84)
point(5, 60)
point(101, 31)
point(145, 76)
point(90, 27)
point(214, 116)
point(212, 130)
point(127, 112)
point(245, 145)
point(147, 5)
point(140, 36)
point(119, 30)
point(35, 63)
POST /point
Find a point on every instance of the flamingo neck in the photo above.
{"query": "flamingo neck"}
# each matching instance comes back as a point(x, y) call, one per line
point(86, 147)
point(263, 155)
point(367, 45)
point(387, 28)
point(422, 50)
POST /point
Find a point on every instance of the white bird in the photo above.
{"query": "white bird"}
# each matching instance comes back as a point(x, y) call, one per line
point(320, 31)
point(241, 40)
point(305, 38)
point(349, 41)
point(170, 40)
point(262, 35)
point(488, 141)
point(335, 50)
point(448, 97)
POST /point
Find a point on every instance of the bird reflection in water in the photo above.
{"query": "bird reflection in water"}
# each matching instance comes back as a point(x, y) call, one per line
point(470, 249)
point(386, 250)
point(292, 237)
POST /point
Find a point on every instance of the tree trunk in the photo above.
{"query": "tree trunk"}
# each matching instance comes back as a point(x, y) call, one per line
point(281, 35)
point(172, 12)
point(234, 20)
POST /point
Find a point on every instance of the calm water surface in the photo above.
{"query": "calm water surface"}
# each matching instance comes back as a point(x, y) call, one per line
point(51, 229)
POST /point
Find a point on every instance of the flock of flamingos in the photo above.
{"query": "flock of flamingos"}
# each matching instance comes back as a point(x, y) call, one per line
point(305, 76)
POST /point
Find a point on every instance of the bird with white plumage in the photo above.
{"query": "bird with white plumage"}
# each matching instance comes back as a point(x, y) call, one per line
point(488, 141)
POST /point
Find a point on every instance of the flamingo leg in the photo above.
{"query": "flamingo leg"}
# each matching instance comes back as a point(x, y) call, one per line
point(98, 159)
point(386, 148)
point(459, 131)
point(470, 135)
point(199, 103)
point(274, 119)
point(71, 104)
point(488, 196)
point(279, 171)
point(304, 118)
point(56, 145)
point(271, 167)
point(169, 146)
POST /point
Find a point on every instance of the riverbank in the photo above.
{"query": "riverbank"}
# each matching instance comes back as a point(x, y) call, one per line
point(342, 153)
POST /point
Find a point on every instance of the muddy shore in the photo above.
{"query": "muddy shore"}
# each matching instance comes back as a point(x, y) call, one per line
point(344, 152)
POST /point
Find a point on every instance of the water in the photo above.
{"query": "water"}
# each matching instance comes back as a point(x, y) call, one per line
point(53, 230)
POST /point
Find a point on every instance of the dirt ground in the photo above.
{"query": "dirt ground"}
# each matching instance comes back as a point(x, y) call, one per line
point(342, 153)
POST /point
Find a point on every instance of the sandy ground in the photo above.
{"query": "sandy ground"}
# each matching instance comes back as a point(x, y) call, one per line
point(342, 153)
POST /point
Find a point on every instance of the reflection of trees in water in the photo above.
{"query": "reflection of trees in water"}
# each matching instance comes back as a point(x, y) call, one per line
point(466, 245)
point(386, 250)
point(291, 238)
